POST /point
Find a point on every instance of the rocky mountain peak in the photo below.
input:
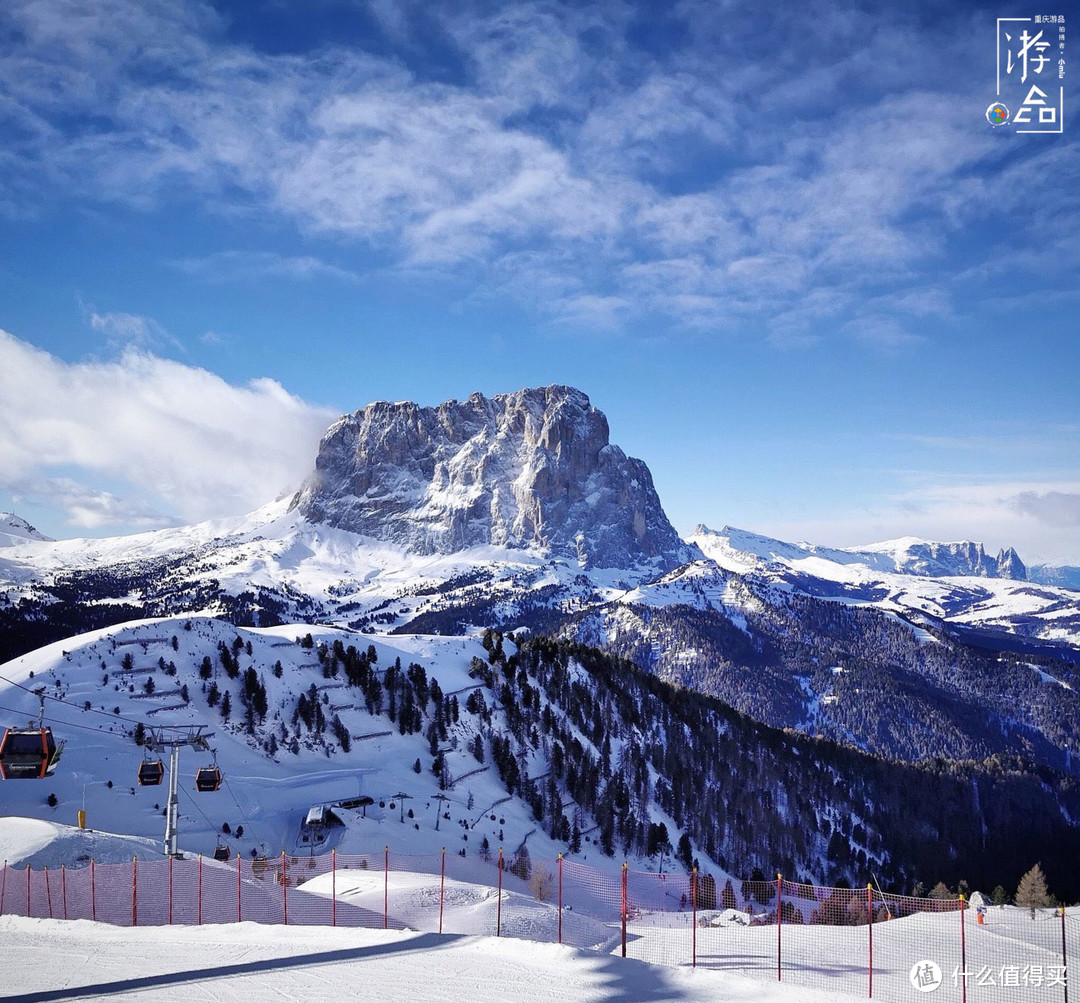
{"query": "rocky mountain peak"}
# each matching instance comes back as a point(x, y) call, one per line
point(15, 530)
point(531, 469)
point(963, 558)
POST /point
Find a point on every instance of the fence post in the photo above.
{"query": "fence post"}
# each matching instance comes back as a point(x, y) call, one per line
point(3, 888)
point(1064, 959)
point(170, 890)
point(561, 898)
point(238, 888)
point(624, 868)
point(442, 885)
point(200, 890)
point(333, 887)
point(48, 892)
point(284, 889)
point(28, 891)
point(779, 914)
point(963, 954)
point(498, 912)
point(63, 886)
point(134, 891)
point(386, 888)
point(93, 892)
point(870, 938)
point(693, 908)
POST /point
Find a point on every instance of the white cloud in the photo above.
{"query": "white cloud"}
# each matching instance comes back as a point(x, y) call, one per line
point(129, 329)
point(559, 154)
point(90, 508)
point(183, 443)
point(881, 331)
point(1052, 508)
point(244, 266)
point(599, 312)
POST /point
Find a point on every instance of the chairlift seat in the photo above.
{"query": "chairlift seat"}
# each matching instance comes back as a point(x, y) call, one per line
point(208, 779)
point(151, 772)
point(28, 754)
point(222, 852)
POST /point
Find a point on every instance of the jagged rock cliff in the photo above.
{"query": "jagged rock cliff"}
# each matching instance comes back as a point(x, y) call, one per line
point(966, 558)
point(531, 469)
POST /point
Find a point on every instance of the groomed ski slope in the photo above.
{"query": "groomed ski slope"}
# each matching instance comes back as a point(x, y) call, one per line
point(80, 960)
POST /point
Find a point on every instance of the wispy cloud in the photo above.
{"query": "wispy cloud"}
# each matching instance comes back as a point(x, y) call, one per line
point(182, 441)
point(246, 266)
point(881, 331)
point(559, 153)
point(90, 508)
point(122, 329)
point(1053, 508)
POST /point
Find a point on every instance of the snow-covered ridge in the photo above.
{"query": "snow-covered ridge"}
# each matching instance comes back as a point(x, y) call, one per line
point(15, 530)
point(951, 582)
point(741, 550)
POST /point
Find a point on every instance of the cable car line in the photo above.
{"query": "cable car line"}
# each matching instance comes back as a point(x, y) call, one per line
point(68, 703)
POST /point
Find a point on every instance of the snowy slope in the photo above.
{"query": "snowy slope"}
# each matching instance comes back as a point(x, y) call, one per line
point(276, 772)
point(898, 577)
point(251, 962)
point(266, 794)
point(15, 531)
point(52, 958)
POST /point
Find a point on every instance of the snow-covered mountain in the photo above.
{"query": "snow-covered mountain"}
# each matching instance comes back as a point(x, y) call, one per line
point(741, 550)
point(532, 469)
point(1063, 576)
point(421, 527)
point(14, 530)
point(516, 512)
point(955, 585)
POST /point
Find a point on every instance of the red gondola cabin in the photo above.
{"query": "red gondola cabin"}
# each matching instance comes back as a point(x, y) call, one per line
point(28, 754)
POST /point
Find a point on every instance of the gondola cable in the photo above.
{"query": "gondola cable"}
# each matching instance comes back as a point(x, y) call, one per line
point(68, 703)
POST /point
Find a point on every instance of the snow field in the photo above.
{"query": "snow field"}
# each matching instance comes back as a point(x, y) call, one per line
point(833, 959)
point(53, 959)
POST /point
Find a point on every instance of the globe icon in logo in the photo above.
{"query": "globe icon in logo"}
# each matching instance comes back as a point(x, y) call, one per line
point(997, 114)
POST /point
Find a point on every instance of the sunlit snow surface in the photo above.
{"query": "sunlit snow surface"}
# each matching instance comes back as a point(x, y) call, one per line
point(249, 962)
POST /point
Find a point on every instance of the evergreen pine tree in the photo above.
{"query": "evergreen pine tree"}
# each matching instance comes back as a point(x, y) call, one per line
point(1032, 892)
point(685, 852)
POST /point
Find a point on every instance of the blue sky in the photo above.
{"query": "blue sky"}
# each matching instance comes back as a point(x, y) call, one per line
point(783, 251)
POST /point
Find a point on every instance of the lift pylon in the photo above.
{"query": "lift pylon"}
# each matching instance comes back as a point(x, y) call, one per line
point(158, 739)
